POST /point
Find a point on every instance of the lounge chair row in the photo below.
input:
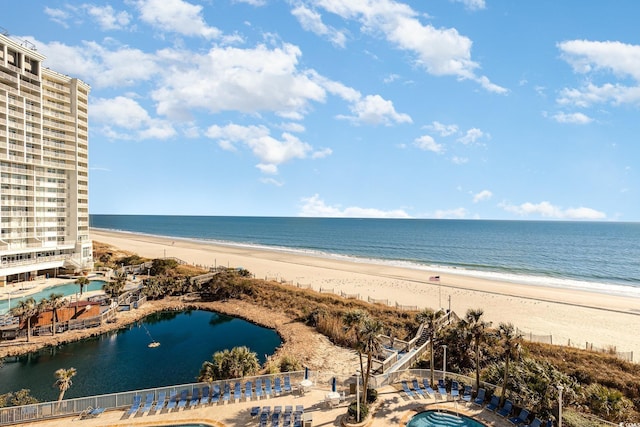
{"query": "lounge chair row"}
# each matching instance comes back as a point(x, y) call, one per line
point(425, 389)
point(290, 417)
point(505, 411)
point(215, 394)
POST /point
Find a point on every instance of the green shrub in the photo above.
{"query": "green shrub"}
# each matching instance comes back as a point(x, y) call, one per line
point(353, 410)
point(372, 395)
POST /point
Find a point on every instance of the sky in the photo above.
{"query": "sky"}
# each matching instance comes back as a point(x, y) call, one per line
point(462, 109)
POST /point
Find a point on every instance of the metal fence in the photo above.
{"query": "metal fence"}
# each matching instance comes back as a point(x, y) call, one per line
point(75, 407)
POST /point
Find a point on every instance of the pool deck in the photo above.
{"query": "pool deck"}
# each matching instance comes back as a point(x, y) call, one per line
point(393, 408)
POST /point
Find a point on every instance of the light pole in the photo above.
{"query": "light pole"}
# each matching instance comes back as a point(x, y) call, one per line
point(357, 396)
point(444, 363)
point(560, 388)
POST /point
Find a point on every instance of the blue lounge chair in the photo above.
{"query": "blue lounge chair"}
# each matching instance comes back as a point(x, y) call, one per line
point(96, 412)
point(442, 388)
point(237, 391)
point(521, 418)
point(267, 387)
point(287, 384)
point(148, 403)
point(195, 397)
point(92, 413)
point(537, 422)
point(506, 409)
point(215, 395)
point(455, 389)
point(264, 419)
point(172, 402)
point(206, 395)
point(286, 419)
point(493, 404)
point(299, 409)
point(466, 394)
point(255, 410)
point(135, 405)
point(407, 390)
point(183, 399)
point(275, 419)
point(160, 403)
point(259, 388)
point(417, 388)
point(479, 400)
point(288, 409)
point(277, 388)
point(248, 390)
point(226, 396)
point(430, 391)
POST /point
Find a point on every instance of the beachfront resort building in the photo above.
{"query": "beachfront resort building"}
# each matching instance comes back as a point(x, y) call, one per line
point(44, 215)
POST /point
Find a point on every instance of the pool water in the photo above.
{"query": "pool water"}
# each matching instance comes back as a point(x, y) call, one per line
point(442, 419)
point(65, 289)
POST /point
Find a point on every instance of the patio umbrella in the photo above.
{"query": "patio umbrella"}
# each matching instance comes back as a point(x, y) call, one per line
point(306, 373)
point(333, 384)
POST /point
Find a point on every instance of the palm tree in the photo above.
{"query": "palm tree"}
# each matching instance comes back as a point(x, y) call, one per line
point(42, 306)
point(113, 288)
point(56, 302)
point(235, 363)
point(82, 281)
point(63, 380)
point(370, 331)
point(510, 342)
point(429, 318)
point(352, 320)
point(477, 329)
point(26, 309)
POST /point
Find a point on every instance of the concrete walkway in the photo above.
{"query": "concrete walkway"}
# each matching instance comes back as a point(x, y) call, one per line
point(394, 408)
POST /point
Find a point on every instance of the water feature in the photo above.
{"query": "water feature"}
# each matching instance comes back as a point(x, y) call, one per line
point(123, 360)
point(65, 289)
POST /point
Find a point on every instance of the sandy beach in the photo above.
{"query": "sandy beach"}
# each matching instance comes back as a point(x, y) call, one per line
point(568, 315)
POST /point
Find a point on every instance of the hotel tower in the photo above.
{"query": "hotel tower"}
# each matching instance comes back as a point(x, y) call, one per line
point(44, 215)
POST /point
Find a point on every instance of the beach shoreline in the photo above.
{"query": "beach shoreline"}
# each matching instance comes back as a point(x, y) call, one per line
point(569, 316)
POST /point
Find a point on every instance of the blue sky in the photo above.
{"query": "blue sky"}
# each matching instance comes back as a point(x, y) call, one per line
point(353, 108)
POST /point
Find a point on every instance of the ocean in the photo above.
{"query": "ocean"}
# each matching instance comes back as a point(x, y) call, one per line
point(596, 256)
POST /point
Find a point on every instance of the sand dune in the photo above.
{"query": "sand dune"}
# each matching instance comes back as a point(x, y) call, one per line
point(567, 315)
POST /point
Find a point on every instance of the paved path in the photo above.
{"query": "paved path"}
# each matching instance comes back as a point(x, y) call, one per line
point(394, 409)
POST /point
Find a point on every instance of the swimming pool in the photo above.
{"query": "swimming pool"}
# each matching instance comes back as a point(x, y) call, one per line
point(442, 419)
point(65, 289)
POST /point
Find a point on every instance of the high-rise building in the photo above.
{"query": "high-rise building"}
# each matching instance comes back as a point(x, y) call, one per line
point(44, 215)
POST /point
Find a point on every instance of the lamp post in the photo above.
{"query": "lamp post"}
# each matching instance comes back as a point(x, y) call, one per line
point(444, 363)
point(560, 388)
point(357, 396)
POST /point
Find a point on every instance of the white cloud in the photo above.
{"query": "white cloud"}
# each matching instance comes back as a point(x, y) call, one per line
point(272, 181)
point(471, 136)
point(314, 206)
point(231, 79)
point(427, 143)
point(271, 151)
point(176, 16)
point(252, 2)
point(107, 17)
point(375, 110)
point(98, 65)
point(575, 118)
point(482, 196)
point(547, 210)
point(133, 120)
point(441, 52)
point(321, 154)
point(590, 57)
point(442, 129)
point(457, 213)
point(472, 4)
point(459, 160)
point(58, 15)
point(311, 20)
